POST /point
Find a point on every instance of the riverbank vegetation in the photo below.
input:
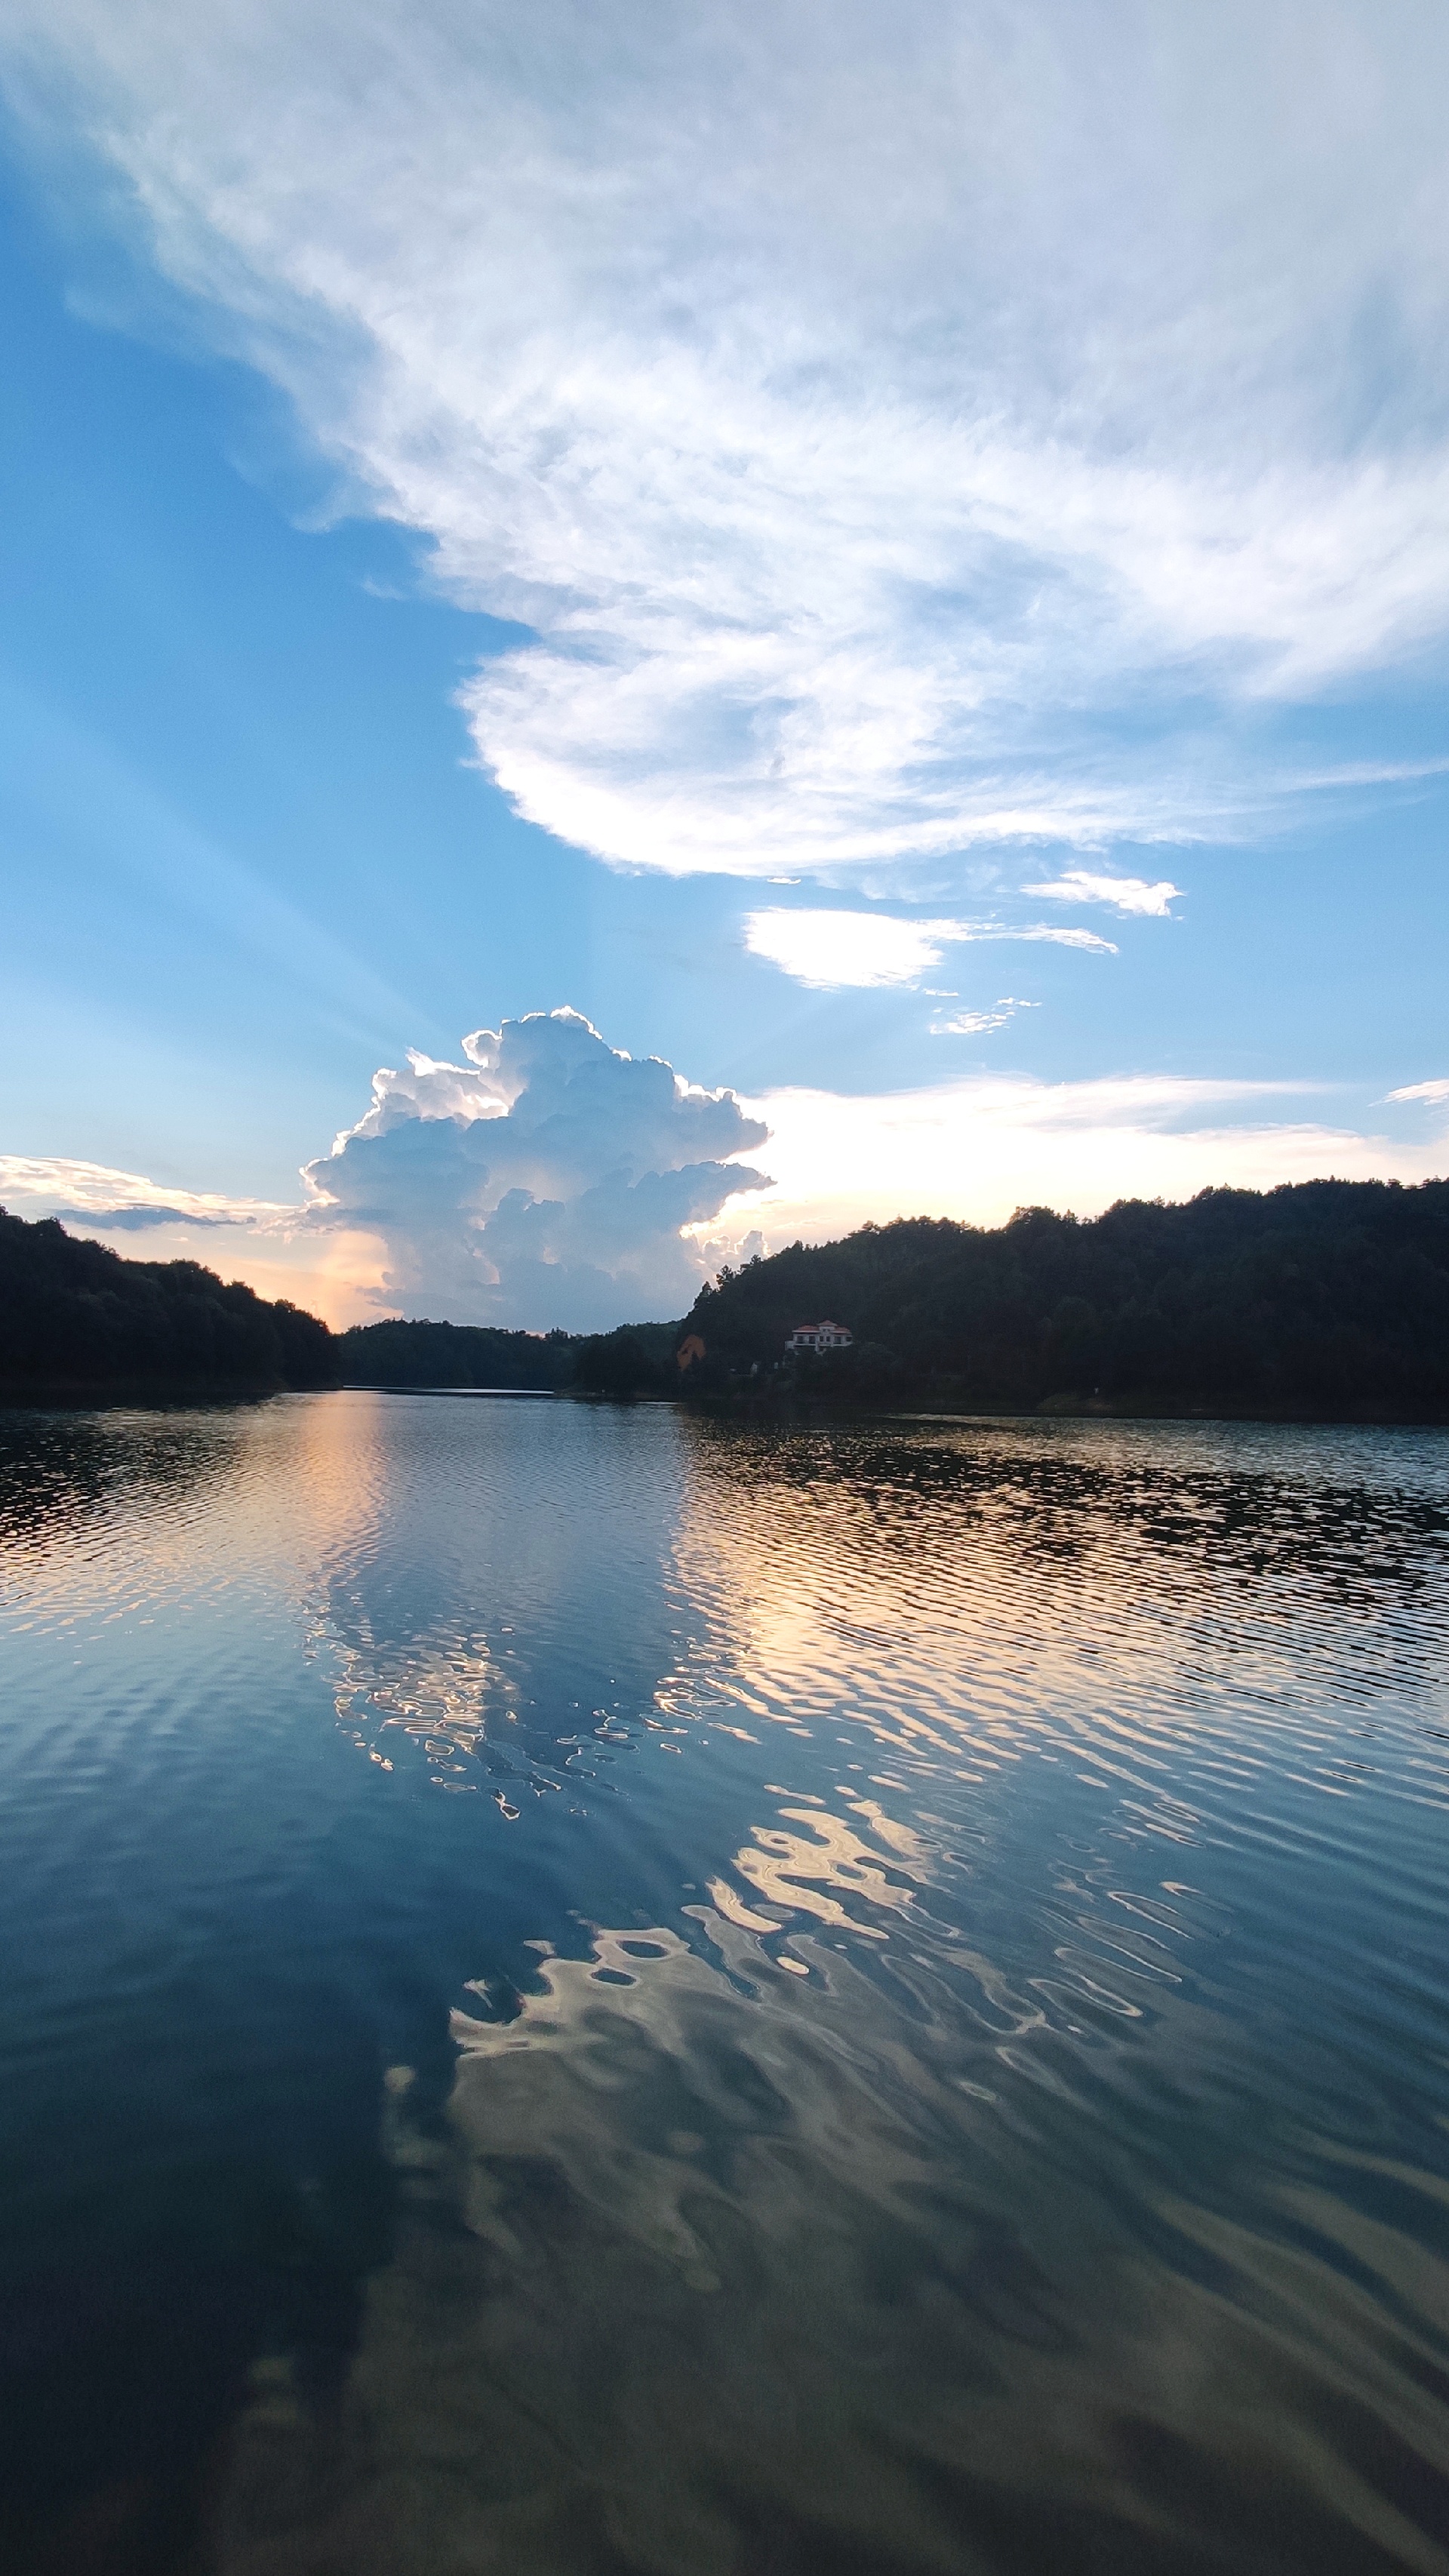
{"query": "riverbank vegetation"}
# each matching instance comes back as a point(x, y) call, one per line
point(77, 1320)
point(1324, 1299)
point(394, 1353)
point(636, 1359)
point(1327, 1300)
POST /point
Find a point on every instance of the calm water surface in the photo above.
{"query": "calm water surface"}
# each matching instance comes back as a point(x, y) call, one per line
point(590, 1994)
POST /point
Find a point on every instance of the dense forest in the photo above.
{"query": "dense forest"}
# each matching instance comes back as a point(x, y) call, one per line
point(1324, 1298)
point(464, 1355)
point(77, 1319)
point(635, 1359)
point(1327, 1299)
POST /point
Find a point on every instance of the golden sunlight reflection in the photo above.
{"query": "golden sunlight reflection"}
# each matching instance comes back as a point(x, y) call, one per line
point(797, 1870)
point(134, 1508)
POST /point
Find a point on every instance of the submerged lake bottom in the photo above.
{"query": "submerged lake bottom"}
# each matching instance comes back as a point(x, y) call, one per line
point(595, 1993)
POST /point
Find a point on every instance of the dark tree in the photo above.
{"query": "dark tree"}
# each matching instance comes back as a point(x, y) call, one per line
point(76, 1318)
point(638, 1359)
point(424, 1354)
point(1325, 1298)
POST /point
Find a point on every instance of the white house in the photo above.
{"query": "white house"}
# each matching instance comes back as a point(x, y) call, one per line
point(820, 1337)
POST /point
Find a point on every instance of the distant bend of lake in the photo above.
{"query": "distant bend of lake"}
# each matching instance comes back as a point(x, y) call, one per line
point(590, 1993)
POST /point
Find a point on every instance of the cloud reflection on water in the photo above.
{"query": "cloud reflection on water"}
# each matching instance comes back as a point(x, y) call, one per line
point(713, 2269)
point(1011, 2164)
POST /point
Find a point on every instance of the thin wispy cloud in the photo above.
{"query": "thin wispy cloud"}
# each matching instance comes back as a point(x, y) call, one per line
point(979, 1024)
point(96, 1197)
point(853, 453)
point(1124, 894)
point(1367, 773)
point(976, 1148)
point(830, 950)
point(1431, 1092)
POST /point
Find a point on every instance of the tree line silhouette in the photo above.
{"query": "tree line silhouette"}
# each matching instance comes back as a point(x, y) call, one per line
point(76, 1318)
point(1323, 1298)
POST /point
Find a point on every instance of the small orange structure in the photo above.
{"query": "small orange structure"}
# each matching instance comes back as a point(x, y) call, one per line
point(690, 1350)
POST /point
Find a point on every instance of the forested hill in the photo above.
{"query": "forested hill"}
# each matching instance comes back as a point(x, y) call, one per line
point(77, 1319)
point(395, 1353)
point(1329, 1297)
point(634, 1359)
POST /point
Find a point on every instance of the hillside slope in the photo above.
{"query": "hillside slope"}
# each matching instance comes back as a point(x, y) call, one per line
point(77, 1319)
point(398, 1352)
point(1328, 1297)
point(419, 1353)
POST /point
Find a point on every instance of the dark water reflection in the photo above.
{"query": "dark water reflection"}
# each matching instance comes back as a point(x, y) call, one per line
point(592, 1992)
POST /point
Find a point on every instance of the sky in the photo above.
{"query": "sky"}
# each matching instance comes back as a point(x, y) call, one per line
point(631, 633)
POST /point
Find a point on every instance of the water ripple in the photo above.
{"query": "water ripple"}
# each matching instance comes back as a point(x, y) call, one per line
point(923, 1948)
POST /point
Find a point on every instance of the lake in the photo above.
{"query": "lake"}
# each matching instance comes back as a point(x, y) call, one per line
point(594, 1993)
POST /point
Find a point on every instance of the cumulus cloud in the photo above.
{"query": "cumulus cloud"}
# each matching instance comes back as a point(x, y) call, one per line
point(856, 406)
point(547, 1180)
point(1125, 894)
point(830, 949)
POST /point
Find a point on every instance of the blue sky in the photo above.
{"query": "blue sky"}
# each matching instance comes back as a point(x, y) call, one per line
point(897, 564)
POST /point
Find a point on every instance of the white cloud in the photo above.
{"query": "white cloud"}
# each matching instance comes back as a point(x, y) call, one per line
point(972, 1024)
point(1125, 894)
point(545, 1181)
point(1430, 1091)
point(266, 1242)
point(125, 1202)
point(978, 1148)
point(856, 405)
point(549, 1179)
point(1369, 773)
point(828, 949)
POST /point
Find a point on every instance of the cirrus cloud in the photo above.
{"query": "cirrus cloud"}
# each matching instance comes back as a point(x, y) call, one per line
point(95, 1195)
point(1124, 894)
point(1433, 1093)
point(830, 949)
point(979, 1147)
point(863, 411)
